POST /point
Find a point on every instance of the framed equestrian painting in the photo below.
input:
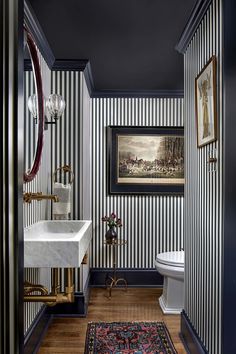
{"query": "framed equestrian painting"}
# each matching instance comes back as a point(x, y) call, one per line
point(205, 103)
point(145, 160)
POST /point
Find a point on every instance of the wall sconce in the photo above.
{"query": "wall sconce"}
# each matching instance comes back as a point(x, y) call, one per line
point(54, 106)
point(33, 108)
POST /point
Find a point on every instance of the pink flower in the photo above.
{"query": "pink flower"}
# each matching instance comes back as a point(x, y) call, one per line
point(112, 220)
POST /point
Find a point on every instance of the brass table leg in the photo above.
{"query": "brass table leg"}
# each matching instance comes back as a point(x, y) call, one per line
point(112, 283)
point(113, 280)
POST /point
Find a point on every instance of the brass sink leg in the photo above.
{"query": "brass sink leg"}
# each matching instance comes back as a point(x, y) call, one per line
point(70, 285)
point(55, 297)
point(56, 281)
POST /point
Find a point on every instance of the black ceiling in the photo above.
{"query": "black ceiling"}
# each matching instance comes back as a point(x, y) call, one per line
point(130, 43)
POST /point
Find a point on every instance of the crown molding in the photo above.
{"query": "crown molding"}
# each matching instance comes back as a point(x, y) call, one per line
point(70, 64)
point(76, 65)
point(194, 20)
point(35, 29)
point(89, 79)
point(138, 94)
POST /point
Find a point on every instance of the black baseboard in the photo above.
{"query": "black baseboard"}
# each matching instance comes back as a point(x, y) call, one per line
point(136, 278)
point(189, 337)
point(78, 308)
point(36, 332)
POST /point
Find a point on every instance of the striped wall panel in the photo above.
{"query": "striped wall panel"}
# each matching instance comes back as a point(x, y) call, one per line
point(42, 183)
point(66, 134)
point(151, 224)
point(203, 193)
point(66, 140)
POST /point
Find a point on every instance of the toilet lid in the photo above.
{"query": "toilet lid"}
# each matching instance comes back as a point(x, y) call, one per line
point(175, 258)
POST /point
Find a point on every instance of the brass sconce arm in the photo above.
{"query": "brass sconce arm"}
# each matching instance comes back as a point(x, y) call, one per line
point(28, 197)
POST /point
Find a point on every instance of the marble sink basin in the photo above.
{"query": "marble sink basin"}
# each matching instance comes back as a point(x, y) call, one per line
point(56, 243)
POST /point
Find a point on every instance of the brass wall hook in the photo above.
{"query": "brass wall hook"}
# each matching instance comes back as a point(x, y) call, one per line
point(212, 160)
point(65, 169)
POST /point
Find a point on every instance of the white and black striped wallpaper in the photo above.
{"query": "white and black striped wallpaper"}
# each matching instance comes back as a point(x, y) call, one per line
point(65, 136)
point(151, 224)
point(203, 193)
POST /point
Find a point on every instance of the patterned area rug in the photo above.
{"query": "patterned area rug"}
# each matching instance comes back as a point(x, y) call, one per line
point(128, 338)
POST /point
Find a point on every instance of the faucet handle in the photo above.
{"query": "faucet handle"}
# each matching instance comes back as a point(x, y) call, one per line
point(29, 196)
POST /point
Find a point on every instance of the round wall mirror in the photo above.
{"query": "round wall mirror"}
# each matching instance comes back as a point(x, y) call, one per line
point(33, 53)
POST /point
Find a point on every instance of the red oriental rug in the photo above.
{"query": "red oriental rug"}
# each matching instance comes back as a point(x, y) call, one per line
point(128, 338)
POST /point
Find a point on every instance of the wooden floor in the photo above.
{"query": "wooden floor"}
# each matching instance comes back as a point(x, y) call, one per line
point(67, 335)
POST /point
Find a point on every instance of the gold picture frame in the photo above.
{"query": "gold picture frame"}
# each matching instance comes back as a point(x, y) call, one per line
point(205, 104)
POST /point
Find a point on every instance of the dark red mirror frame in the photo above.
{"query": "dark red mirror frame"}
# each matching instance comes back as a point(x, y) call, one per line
point(30, 175)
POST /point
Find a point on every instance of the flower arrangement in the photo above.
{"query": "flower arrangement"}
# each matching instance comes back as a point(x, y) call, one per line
point(112, 220)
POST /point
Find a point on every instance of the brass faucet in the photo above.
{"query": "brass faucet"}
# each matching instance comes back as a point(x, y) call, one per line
point(28, 197)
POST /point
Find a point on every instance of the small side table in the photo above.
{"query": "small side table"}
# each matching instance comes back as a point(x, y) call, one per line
point(113, 280)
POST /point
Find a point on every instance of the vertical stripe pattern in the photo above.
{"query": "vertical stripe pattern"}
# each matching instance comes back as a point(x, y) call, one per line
point(203, 193)
point(65, 139)
point(65, 135)
point(36, 211)
point(151, 224)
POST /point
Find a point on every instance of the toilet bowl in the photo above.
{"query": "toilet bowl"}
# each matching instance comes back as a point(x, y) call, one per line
point(171, 266)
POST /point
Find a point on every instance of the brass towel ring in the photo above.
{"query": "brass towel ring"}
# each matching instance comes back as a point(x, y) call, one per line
point(65, 169)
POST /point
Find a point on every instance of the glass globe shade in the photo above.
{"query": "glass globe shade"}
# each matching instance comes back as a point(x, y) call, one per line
point(55, 105)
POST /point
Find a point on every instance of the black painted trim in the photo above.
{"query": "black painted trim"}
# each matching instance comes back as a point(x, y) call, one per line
point(189, 337)
point(78, 308)
point(138, 93)
point(194, 20)
point(70, 64)
point(27, 65)
point(37, 331)
point(76, 65)
point(229, 186)
point(136, 278)
point(34, 27)
point(89, 79)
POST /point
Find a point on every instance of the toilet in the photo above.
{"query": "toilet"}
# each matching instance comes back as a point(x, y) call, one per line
point(171, 266)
